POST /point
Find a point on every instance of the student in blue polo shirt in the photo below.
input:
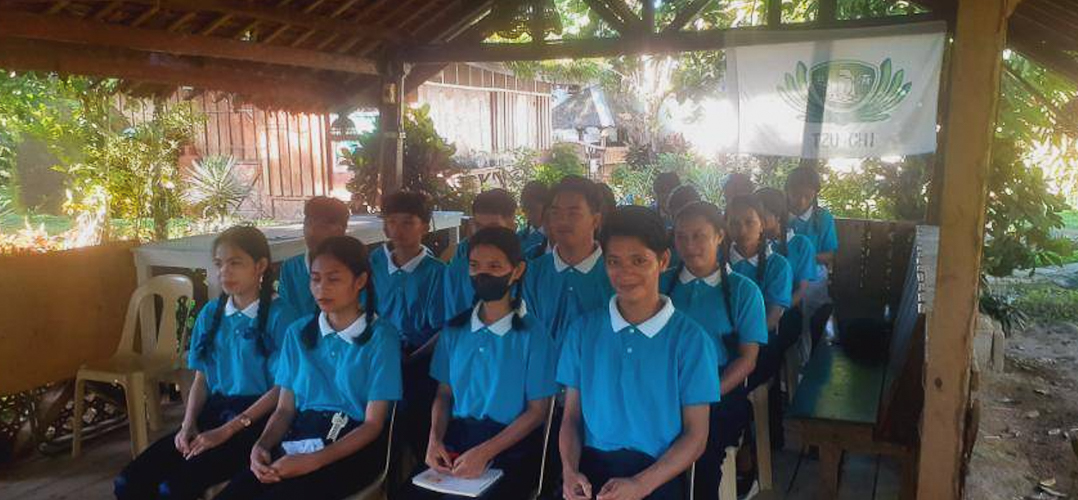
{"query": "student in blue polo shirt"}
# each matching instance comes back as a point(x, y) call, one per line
point(323, 217)
point(534, 200)
point(493, 208)
point(496, 372)
point(731, 310)
point(236, 341)
point(639, 376)
point(338, 374)
point(807, 217)
point(570, 280)
point(681, 196)
point(751, 256)
point(799, 251)
point(408, 281)
point(662, 186)
point(735, 185)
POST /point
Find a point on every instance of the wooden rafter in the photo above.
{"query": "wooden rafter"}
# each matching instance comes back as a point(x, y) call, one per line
point(215, 24)
point(276, 15)
point(362, 16)
point(145, 16)
point(284, 27)
point(50, 28)
point(411, 9)
point(686, 15)
point(243, 78)
point(341, 9)
point(106, 10)
point(664, 43)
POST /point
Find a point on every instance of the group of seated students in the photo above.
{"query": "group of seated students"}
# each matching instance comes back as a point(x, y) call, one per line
point(645, 328)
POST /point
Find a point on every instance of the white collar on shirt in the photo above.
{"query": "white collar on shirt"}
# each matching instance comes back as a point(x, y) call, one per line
point(583, 266)
point(712, 279)
point(499, 328)
point(349, 334)
point(807, 215)
point(307, 260)
point(651, 327)
point(790, 235)
point(409, 266)
point(251, 311)
point(736, 257)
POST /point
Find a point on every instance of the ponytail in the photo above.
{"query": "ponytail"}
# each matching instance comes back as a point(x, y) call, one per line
point(205, 347)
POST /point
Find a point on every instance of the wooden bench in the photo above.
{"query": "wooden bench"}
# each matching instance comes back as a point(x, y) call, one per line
point(843, 404)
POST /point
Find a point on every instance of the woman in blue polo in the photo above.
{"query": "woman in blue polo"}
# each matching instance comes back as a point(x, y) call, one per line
point(339, 372)
point(495, 369)
point(236, 341)
point(731, 310)
point(816, 223)
point(640, 377)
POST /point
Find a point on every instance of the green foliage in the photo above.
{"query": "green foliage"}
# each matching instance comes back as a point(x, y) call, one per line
point(562, 160)
point(428, 165)
point(213, 187)
point(1046, 302)
point(1022, 215)
point(1002, 308)
point(633, 183)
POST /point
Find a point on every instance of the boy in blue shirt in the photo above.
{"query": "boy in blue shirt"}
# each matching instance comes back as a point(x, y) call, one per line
point(639, 377)
point(408, 292)
point(570, 280)
point(534, 199)
point(323, 217)
point(493, 208)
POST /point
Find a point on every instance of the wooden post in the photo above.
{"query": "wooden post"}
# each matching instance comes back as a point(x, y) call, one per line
point(391, 123)
point(980, 34)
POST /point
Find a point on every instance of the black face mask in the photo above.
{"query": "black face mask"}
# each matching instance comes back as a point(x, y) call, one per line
point(489, 287)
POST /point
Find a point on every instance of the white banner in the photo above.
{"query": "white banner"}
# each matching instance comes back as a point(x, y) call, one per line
point(880, 98)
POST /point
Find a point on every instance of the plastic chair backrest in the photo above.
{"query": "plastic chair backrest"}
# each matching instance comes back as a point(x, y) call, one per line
point(389, 441)
point(170, 287)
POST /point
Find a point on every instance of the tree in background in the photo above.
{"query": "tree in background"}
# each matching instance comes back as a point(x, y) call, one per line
point(429, 166)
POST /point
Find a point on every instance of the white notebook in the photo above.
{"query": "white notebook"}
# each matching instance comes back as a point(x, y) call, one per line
point(471, 488)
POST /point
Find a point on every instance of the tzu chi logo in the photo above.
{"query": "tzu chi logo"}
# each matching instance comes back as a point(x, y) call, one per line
point(856, 91)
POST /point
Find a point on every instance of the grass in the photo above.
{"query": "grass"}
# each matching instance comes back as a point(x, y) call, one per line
point(1045, 302)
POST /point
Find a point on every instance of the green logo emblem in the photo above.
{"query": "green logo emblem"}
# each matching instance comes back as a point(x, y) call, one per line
point(857, 92)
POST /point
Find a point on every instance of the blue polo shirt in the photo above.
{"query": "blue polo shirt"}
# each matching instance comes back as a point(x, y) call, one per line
point(295, 285)
point(409, 296)
point(558, 293)
point(530, 236)
point(777, 285)
point(702, 299)
point(801, 255)
point(818, 225)
point(340, 374)
point(235, 365)
point(494, 370)
point(634, 380)
point(457, 294)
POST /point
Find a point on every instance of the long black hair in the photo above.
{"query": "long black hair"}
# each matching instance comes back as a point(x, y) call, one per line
point(752, 203)
point(773, 202)
point(637, 222)
point(252, 242)
point(353, 254)
point(710, 213)
point(506, 240)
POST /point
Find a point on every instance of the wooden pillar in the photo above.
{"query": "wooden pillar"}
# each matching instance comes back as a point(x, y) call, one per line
point(391, 124)
point(980, 33)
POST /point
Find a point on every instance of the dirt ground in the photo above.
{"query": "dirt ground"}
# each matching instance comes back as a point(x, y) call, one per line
point(1029, 412)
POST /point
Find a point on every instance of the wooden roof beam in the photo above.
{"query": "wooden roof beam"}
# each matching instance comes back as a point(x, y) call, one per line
point(58, 29)
point(276, 15)
point(686, 15)
point(249, 80)
point(665, 43)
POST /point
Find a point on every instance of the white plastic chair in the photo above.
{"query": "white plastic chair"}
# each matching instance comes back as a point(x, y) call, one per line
point(139, 372)
point(376, 490)
point(728, 483)
point(762, 421)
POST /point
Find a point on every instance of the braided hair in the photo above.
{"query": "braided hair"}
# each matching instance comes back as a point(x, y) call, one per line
point(773, 202)
point(353, 254)
point(505, 240)
point(740, 203)
point(710, 213)
point(252, 242)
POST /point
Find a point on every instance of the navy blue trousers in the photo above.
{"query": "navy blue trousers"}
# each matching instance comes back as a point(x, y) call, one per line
point(161, 472)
